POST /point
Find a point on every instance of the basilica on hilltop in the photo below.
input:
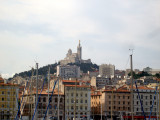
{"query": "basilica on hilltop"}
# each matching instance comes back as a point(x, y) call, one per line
point(74, 57)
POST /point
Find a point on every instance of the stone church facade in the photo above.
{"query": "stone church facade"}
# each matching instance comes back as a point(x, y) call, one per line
point(74, 57)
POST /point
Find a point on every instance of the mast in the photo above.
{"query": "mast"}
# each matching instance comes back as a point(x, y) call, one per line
point(31, 92)
point(36, 89)
point(58, 98)
point(131, 87)
point(159, 99)
point(75, 99)
point(101, 103)
point(48, 88)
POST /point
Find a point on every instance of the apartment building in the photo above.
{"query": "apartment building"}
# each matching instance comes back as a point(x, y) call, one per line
point(68, 71)
point(96, 97)
point(148, 98)
point(107, 70)
point(100, 82)
point(29, 105)
point(116, 101)
point(77, 98)
point(8, 101)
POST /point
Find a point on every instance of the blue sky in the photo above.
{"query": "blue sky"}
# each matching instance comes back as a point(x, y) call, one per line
point(44, 31)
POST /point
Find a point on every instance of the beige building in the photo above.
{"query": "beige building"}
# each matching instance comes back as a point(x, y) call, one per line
point(29, 105)
point(68, 71)
point(8, 100)
point(113, 102)
point(96, 97)
point(80, 94)
point(107, 70)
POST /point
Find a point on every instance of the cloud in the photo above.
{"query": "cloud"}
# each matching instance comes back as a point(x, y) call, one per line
point(107, 29)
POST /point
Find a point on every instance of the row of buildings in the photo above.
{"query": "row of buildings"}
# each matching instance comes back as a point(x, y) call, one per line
point(81, 100)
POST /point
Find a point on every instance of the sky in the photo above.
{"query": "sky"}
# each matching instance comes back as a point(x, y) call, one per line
point(42, 31)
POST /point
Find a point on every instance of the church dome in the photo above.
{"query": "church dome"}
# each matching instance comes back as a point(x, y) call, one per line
point(70, 52)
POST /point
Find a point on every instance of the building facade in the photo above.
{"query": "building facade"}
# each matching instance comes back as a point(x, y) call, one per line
point(77, 102)
point(107, 70)
point(100, 82)
point(29, 105)
point(148, 98)
point(68, 71)
point(8, 101)
point(116, 102)
point(74, 57)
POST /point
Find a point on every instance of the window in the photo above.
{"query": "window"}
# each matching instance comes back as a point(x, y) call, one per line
point(56, 99)
point(77, 94)
point(50, 99)
point(44, 99)
point(137, 102)
point(2, 92)
point(2, 105)
point(2, 99)
point(39, 112)
point(76, 107)
point(137, 109)
point(81, 101)
point(123, 97)
point(109, 96)
point(50, 112)
point(77, 101)
point(50, 106)
point(72, 107)
point(150, 102)
point(123, 102)
point(146, 97)
point(141, 96)
point(8, 93)
point(81, 107)
point(8, 99)
point(44, 106)
point(71, 94)
point(85, 101)
point(86, 95)
point(7, 105)
point(61, 100)
point(128, 97)
point(150, 96)
point(85, 107)
point(72, 100)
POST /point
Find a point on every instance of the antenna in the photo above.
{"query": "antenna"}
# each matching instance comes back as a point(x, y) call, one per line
point(131, 51)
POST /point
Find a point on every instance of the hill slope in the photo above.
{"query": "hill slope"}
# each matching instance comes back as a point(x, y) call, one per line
point(43, 70)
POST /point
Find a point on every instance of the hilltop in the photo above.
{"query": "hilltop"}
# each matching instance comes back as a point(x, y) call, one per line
point(43, 70)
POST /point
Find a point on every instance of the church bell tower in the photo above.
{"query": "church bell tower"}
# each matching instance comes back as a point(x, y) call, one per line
point(79, 51)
